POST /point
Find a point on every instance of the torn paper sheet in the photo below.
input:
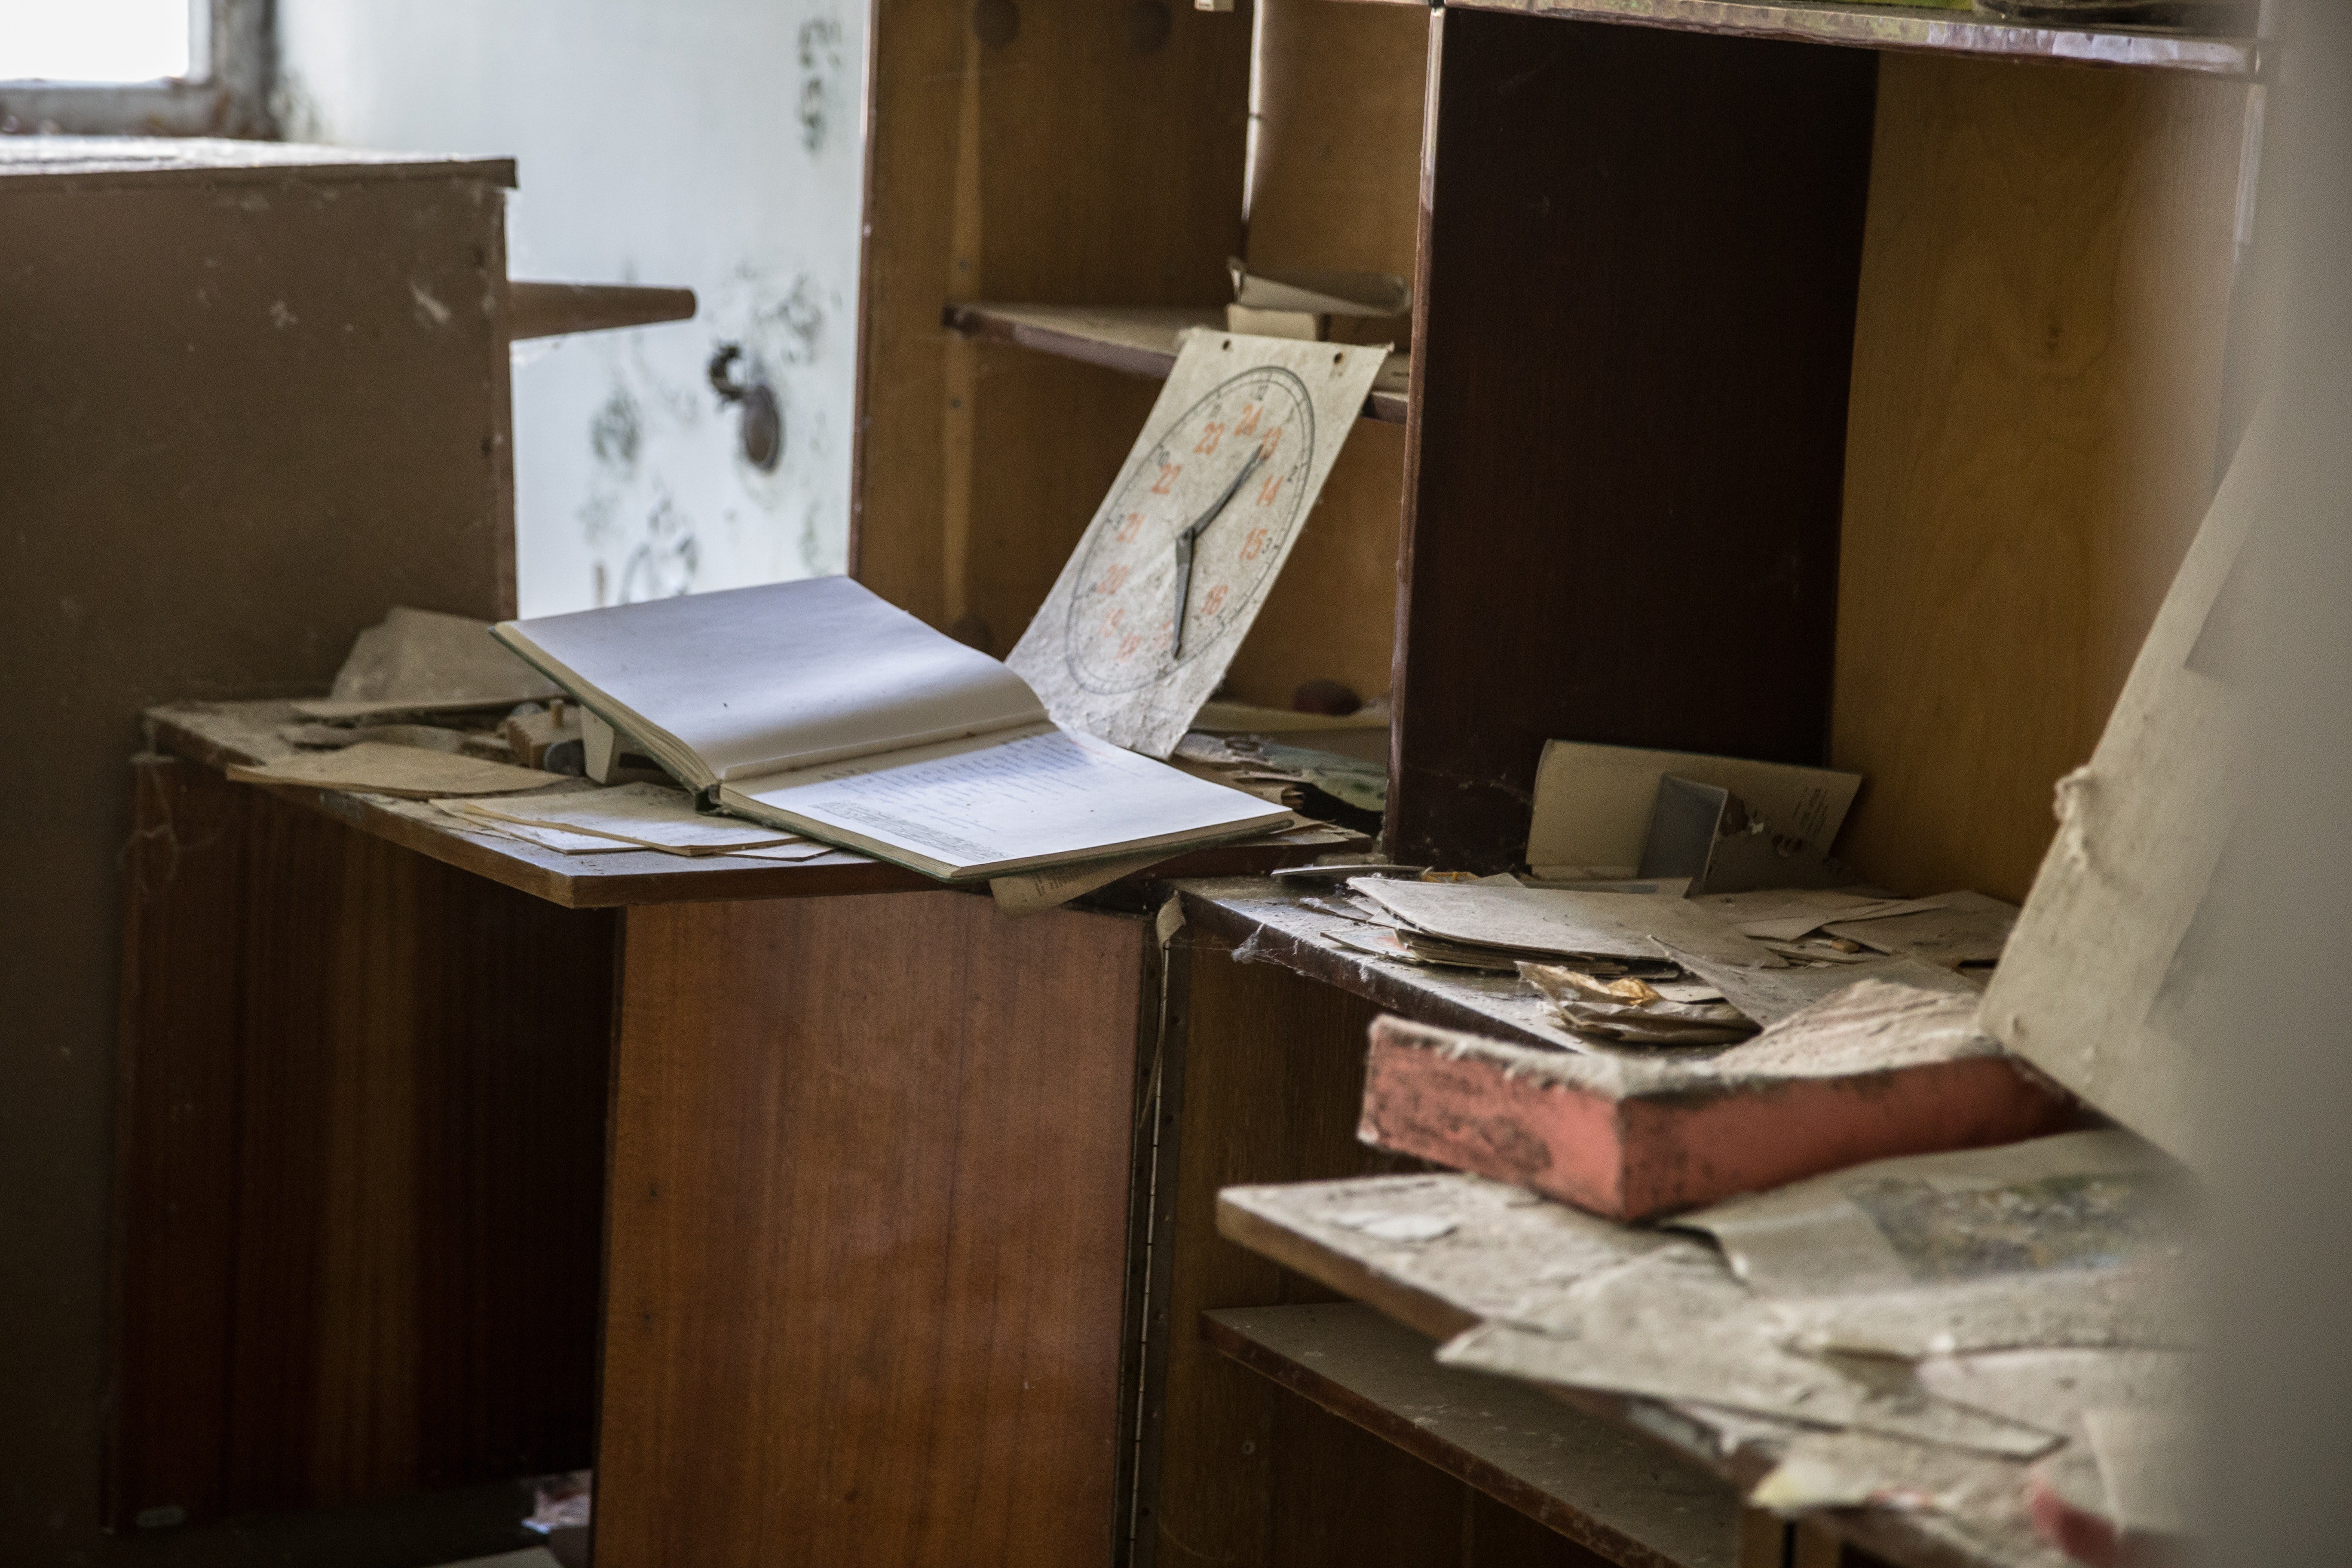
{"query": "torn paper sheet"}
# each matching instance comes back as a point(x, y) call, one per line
point(555, 838)
point(1785, 914)
point(1537, 922)
point(1630, 1010)
point(421, 661)
point(2142, 1306)
point(1773, 996)
point(2146, 1466)
point(1594, 803)
point(2075, 1201)
point(1864, 1470)
point(657, 816)
point(1949, 931)
point(1486, 1248)
point(2106, 929)
point(1676, 1325)
point(1057, 884)
point(409, 773)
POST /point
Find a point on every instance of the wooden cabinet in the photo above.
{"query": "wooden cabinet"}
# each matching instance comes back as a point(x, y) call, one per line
point(1823, 382)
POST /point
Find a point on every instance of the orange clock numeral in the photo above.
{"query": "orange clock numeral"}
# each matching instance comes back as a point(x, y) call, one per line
point(1250, 411)
point(1127, 645)
point(1254, 545)
point(1110, 621)
point(1215, 602)
point(1168, 472)
point(1110, 580)
point(1130, 528)
point(1273, 439)
point(1210, 434)
point(1166, 634)
point(1272, 487)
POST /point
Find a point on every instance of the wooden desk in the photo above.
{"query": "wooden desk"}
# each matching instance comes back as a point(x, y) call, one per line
point(857, 1152)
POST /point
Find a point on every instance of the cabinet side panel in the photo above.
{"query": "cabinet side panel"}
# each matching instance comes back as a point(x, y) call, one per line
point(867, 1227)
point(234, 437)
point(1057, 152)
point(1639, 283)
point(174, 1251)
point(1250, 1476)
point(2038, 368)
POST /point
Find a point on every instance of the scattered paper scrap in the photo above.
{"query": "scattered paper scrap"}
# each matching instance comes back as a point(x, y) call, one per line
point(1630, 1010)
point(421, 661)
point(655, 816)
point(553, 838)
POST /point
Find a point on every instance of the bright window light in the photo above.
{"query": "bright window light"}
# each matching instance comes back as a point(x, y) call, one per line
point(93, 40)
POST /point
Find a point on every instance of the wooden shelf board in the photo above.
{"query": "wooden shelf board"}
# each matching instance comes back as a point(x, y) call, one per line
point(1139, 340)
point(217, 734)
point(1570, 1472)
point(1918, 29)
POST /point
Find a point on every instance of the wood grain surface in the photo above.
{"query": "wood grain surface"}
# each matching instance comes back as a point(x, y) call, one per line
point(1272, 1068)
point(1063, 153)
point(1618, 1499)
point(866, 1234)
point(1631, 363)
point(2036, 405)
point(360, 1164)
point(210, 502)
point(1336, 184)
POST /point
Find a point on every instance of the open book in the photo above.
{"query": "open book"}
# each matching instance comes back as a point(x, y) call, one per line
point(817, 706)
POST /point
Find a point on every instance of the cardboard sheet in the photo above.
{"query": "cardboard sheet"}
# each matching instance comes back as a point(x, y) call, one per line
point(1676, 1325)
point(421, 661)
point(1594, 803)
point(410, 772)
point(2106, 928)
point(2079, 1201)
point(655, 816)
point(1548, 922)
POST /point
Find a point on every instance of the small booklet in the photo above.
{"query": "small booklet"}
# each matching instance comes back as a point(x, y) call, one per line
point(819, 707)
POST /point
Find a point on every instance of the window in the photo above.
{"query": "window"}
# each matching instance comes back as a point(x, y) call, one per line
point(136, 67)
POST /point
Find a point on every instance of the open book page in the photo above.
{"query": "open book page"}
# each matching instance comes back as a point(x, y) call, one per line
point(1005, 802)
point(786, 675)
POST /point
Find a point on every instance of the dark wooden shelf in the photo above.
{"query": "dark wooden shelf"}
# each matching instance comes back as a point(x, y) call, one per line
point(1139, 340)
point(1917, 29)
point(1585, 1477)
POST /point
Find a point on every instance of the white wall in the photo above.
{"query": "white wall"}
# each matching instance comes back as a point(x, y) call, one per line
point(709, 143)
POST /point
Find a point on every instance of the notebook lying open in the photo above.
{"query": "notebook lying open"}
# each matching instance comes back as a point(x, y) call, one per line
point(819, 707)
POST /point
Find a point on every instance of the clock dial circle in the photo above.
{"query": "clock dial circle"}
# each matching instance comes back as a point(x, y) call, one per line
point(1125, 617)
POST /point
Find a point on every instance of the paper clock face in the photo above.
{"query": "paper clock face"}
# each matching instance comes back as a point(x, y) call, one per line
point(1175, 565)
point(1122, 623)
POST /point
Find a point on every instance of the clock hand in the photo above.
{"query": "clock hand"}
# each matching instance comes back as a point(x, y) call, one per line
point(1184, 549)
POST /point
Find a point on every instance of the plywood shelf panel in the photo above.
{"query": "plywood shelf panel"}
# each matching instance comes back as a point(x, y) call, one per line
point(1590, 1481)
point(1921, 29)
point(1140, 340)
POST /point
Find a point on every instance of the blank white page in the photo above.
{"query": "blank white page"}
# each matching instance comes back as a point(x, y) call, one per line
point(989, 806)
point(785, 675)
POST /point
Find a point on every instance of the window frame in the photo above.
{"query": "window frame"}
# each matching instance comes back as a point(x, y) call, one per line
point(231, 80)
